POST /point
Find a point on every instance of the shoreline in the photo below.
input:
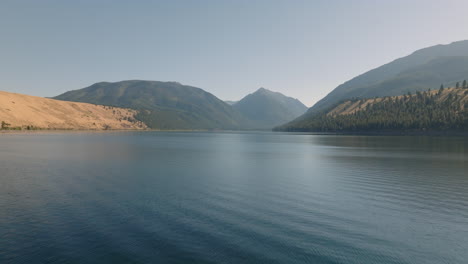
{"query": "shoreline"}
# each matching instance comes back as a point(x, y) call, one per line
point(383, 133)
point(355, 133)
point(47, 131)
point(61, 131)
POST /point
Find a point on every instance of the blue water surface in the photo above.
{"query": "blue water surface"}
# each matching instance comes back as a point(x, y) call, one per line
point(206, 197)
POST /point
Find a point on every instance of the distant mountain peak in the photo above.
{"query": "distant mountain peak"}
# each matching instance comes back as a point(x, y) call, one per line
point(267, 92)
point(267, 108)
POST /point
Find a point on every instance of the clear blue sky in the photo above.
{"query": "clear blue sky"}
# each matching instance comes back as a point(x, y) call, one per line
point(303, 49)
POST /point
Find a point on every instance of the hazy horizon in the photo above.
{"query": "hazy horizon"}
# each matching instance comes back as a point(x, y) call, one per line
point(230, 49)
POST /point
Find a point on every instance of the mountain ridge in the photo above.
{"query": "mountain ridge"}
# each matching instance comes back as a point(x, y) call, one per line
point(267, 109)
point(163, 105)
point(171, 105)
point(389, 70)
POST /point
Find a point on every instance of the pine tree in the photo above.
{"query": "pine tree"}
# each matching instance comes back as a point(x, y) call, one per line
point(441, 89)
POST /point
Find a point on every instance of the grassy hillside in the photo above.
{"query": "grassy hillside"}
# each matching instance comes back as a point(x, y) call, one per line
point(19, 111)
point(162, 105)
point(267, 109)
point(436, 110)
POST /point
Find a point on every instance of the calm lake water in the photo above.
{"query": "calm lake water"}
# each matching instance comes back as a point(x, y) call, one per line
point(154, 197)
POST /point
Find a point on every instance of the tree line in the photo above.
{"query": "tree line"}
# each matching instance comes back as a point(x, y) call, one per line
point(6, 126)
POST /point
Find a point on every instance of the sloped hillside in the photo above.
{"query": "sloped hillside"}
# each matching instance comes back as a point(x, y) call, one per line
point(436, 110)
point(423, 69)
point(30, 112)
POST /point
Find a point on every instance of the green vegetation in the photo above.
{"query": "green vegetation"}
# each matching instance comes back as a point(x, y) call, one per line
point(6, 126)
point(444, 110)
point(162, 105)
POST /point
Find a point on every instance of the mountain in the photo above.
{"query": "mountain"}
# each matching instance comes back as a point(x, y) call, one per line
point(425, 68)
point(267, 109)
point(230, 102)
point(19, 111)
point(443, 110)
point(162, 105)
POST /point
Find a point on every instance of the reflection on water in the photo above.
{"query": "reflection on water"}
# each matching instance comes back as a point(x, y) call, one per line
point(145, 197)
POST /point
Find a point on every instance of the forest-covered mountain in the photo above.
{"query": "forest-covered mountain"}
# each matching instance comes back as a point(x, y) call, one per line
point(439, 110)
point(423, 69)
point(163, 105)
point(267, 109)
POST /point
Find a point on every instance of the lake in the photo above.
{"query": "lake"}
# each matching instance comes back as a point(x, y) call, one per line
point(183, 197)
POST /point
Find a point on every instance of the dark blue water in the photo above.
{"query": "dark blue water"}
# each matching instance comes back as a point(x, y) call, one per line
point(153, 197)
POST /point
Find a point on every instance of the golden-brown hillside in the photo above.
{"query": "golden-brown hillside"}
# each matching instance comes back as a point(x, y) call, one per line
point(25, 111)
point(353, 106)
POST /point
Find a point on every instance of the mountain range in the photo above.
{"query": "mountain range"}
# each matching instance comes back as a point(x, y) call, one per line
point(428, 68)
point(171, 105)
point(174, 106)
point(425, 68)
